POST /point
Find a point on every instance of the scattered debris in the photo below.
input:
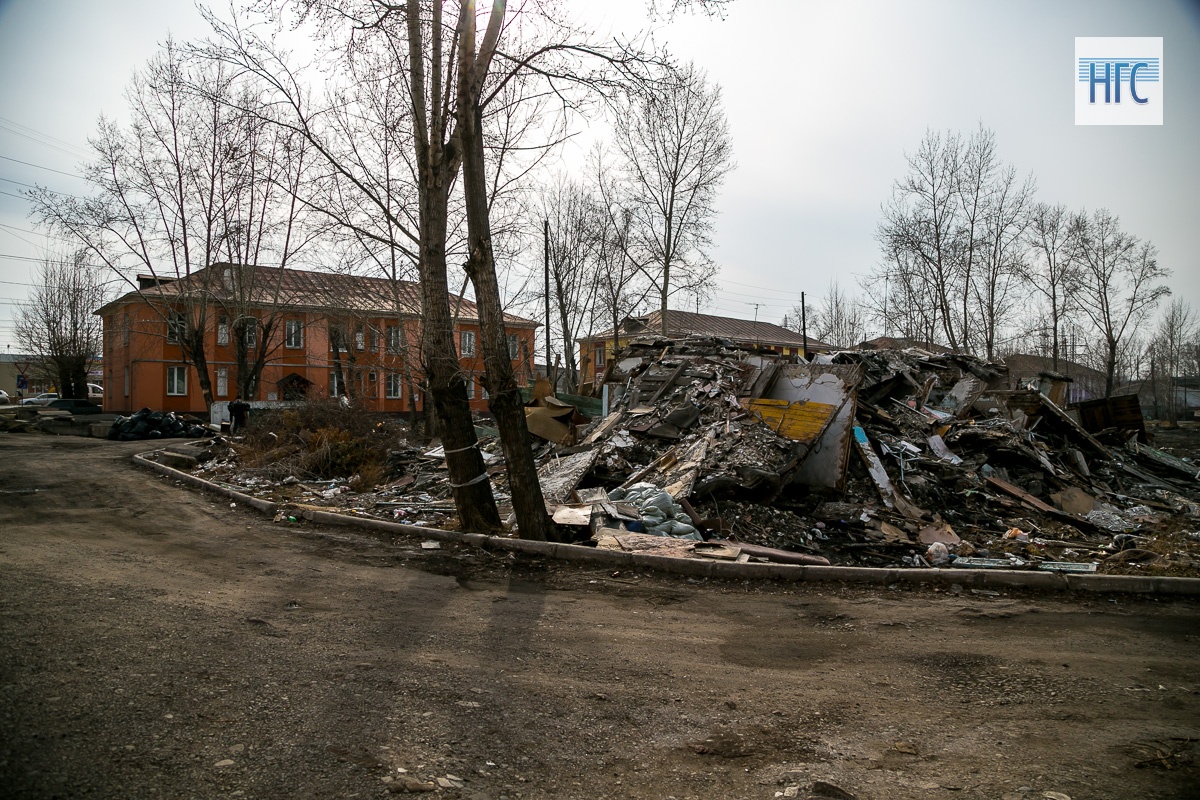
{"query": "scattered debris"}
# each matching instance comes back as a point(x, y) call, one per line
point(885, 458)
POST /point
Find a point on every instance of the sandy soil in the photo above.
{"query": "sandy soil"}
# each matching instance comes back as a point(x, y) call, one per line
point(159, 643)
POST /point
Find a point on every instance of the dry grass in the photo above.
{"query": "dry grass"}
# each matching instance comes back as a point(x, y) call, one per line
point(320, 440)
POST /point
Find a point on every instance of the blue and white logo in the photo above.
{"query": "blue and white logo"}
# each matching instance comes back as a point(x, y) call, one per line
point(1118, 81)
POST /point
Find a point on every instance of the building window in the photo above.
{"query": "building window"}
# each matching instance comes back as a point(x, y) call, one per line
point(337, 386)
point(470, 387)
point(467, 343)
point(393, 338)
point(372, 339)
point(127, 381)
point(360, 338)
point(177, 381)
point(222, 381)
point(337, 338)
point(250, 331)
point(513, 347)
point(293, 333)
point(599, 357)
point(222, 330)
point(394, 390)
point(176, 326)
point(125, 329)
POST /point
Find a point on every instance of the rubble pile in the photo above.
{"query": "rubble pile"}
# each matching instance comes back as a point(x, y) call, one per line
point(880, 458)
point(877, 458)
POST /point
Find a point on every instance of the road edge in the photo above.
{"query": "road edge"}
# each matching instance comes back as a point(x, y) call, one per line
point(725, 570)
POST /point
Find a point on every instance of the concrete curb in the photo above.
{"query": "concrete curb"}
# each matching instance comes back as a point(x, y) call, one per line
point(725, 570)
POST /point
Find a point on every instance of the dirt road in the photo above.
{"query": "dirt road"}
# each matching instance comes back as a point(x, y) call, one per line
point(155, 642)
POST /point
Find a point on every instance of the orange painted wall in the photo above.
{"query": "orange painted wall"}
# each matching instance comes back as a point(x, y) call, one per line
point(135, 339)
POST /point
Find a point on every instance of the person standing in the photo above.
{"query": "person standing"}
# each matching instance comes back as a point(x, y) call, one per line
point(239, 409)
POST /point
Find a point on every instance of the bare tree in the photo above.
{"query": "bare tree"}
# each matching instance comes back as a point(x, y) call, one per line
point(921, 239)
point(451, 91)
point(1174, 349)
point(574, 222)
point(192, 181)
point(677, 151)
point(1052, 270)
point(996, 286)
point(1119, 282)
point(837, 318)
point(952, 241)
point(58, 324)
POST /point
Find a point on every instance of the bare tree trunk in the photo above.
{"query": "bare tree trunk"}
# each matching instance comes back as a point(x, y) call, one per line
point(472, 491)
point(504, 396)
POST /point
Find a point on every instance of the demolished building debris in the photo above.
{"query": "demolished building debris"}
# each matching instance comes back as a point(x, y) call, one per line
point(884, 458)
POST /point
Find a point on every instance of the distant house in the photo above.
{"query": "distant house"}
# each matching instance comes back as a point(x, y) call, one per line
point(597, 349)
point(1084, 383)
point(333, 335)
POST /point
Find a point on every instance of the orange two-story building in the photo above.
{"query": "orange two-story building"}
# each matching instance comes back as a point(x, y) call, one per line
point(319, 335)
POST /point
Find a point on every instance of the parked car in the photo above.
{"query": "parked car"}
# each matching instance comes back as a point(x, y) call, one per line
point(74, 406)
point(95, 393)
point(41, 400)
point(4, 398)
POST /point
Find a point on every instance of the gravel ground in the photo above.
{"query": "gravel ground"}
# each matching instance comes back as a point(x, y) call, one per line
point(159, 643)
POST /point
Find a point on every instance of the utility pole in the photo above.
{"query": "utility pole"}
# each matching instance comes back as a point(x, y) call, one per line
point(757, 339)
point(546, 260)
point(804, 325)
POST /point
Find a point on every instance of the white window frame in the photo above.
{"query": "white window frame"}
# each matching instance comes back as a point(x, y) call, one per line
point(293, 333)
point(222, 381)
point(223, 330)
point(250, 332)
point(599, 355)
point(336, 389)
point(470, 379)
point(394, 388)
point(514, 347)
point(466, 344)
point(360, 338)
point(392, 338)
point(175, 376)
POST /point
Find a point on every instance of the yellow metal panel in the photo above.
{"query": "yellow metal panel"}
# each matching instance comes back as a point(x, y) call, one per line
point(799, 421)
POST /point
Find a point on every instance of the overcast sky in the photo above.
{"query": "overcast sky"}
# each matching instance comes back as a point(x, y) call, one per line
point(823, 100)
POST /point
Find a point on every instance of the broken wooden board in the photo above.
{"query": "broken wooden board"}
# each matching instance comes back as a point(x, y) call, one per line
point(607, 426)
point(1040, 505)
point(1022, 495)
point(560, 476)
point(721, 551)
point(1161, 459)
point(612, 539)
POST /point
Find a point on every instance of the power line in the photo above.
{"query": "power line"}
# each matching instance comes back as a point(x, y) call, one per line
point(44, 139)
point(39, 166)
